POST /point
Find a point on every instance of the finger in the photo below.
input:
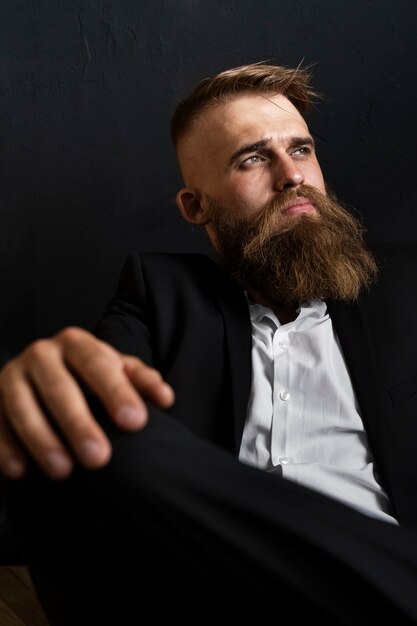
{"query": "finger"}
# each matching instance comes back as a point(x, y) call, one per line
point(149, 382)
point(65, 402)
point(13, 463)
point(22, 411)
point(102, 368)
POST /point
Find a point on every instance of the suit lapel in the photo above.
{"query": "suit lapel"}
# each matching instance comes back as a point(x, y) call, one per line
point(233, 306)
point(351, 326)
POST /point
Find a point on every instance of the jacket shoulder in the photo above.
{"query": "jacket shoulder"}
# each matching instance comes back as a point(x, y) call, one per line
point(167, 270)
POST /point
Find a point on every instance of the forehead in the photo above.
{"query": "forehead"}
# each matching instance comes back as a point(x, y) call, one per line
point(249, 113)
point(224, 127)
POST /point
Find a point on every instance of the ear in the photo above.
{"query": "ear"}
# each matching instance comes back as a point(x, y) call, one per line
point(189, 204)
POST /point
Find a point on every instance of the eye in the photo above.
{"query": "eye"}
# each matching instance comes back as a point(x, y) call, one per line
point(302, 151)
point(252, 160)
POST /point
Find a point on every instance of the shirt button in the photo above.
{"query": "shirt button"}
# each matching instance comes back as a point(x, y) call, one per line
point(284, 460)
point(284, 395)
point(282, 345)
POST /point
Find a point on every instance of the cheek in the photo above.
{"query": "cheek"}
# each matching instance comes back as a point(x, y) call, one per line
point(248, 194)
point(314, 177)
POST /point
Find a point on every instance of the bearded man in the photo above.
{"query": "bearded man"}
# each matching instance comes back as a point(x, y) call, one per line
point(281, 481)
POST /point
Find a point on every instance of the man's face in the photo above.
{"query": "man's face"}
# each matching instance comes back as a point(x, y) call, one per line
point(254, 182)
point(243, 154)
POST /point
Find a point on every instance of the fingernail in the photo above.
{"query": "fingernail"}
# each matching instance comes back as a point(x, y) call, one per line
point(92, 450)
point(14, 468)
point(129, 416)
point(58, 463)
point(168, 392)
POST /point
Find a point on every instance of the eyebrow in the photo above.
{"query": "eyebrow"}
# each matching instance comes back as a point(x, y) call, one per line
point(252, 147)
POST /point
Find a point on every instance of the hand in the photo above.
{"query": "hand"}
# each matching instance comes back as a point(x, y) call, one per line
point(47, 369)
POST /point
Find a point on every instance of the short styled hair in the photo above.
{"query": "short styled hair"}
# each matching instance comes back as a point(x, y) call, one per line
point(293, 83)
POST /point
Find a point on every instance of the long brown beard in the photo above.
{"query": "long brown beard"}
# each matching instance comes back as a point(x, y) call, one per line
point(296, 258)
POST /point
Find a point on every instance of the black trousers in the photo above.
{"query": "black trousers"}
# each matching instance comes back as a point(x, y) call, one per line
point(175, 527)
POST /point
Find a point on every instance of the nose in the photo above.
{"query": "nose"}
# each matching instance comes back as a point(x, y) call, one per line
point(286, 173)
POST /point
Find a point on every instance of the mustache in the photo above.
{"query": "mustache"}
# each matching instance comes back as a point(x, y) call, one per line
point(271, 221)
point(271, 211)
point(287, 197)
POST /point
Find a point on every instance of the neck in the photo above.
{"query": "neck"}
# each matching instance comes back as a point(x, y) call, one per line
point(285, 311)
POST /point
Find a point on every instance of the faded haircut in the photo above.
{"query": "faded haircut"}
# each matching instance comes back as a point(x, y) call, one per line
point(293, 83)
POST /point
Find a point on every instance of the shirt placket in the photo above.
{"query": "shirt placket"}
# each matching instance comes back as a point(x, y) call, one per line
point(281, 396)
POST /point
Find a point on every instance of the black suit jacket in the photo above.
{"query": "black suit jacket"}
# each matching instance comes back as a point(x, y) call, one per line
point(184, 316)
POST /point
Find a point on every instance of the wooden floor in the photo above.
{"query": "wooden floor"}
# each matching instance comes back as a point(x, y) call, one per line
point(19, 605)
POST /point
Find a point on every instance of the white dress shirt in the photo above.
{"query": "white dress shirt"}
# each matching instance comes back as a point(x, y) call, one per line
point(303, 416)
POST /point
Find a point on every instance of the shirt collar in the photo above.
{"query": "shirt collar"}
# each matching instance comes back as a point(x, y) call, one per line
point(313, 309)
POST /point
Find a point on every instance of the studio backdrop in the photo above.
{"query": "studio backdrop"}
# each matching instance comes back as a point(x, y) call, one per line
point(87, 89)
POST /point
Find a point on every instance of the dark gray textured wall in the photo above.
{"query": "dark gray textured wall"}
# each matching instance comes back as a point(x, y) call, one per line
point(87, 88)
